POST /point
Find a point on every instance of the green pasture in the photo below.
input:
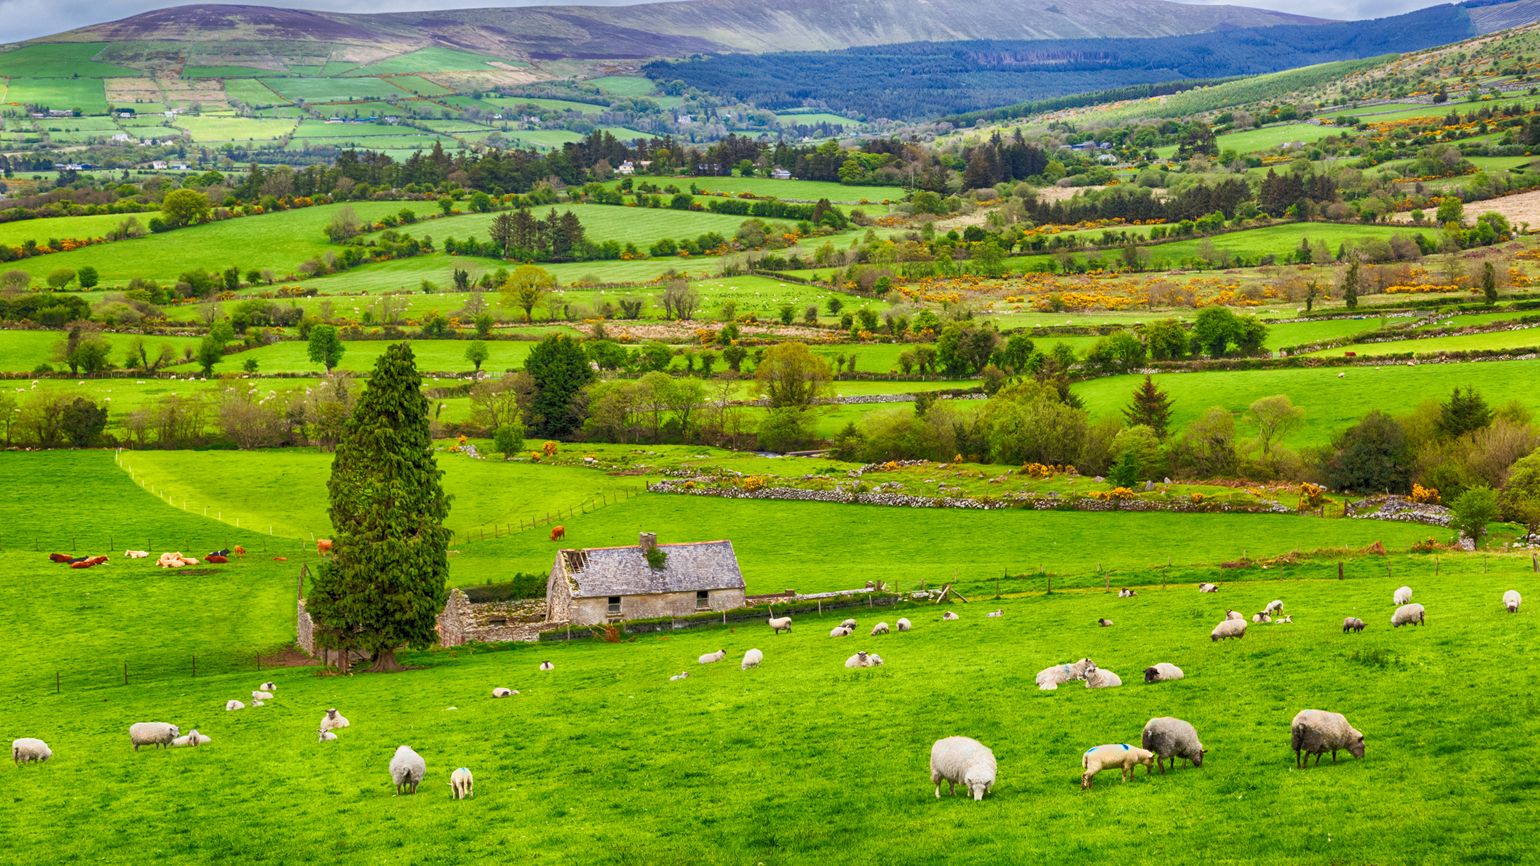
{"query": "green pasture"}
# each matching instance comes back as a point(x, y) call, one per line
point(543, 139)
point(448, 356)
point(1287, 334)
point(436, 58)
point(321, 129)
point(791, 190)
point(61, 60)
point(227, 71)
point(23, 351)
point(17, 232)
point(206, 128)
point(1526, 338)
point(1271, 137)
point(252, 92)
point(332, 89)
point(640, 226)
point(1277, 240)
point(83, 94)
point(813, 118)
point(630, 86)
point(418, 85)
point(543, 104)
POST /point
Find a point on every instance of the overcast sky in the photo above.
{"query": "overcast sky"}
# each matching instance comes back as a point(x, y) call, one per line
point(25, 19)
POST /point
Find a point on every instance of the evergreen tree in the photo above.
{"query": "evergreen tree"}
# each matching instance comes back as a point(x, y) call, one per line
point(1350, 286)
point(1151, 408)
point(1465, 412)
point(1489, 282)
point(560, 370)
point(385, 584)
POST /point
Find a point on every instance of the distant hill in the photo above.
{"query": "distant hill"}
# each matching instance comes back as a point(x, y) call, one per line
point(682, 28)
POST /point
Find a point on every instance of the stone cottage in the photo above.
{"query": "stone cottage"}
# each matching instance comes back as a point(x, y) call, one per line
point(608, 584)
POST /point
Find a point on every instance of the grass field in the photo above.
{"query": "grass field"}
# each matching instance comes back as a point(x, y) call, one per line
point(23, 351)
point(211, 129)
point(811, 118)
point(1271, 137)
point(433, 59)
point(1527, 338)
point(436, 355)
point(57, 228)
point(83, 94)
point(1278, 240)
point(791, 190)
point(640, 226)
point(58, 60)
point(332, 89)
point(623, 85)
point(543, 104)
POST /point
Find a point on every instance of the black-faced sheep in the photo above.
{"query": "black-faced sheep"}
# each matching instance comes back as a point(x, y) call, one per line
point(962, 761)
point(1104, 623)
point(1162, 672)
point(1353, 624)
point(1315, 732)
point(902, 624)
point(1208, 587)
point(949, 616)
point(1126, 593)
point(712, 658)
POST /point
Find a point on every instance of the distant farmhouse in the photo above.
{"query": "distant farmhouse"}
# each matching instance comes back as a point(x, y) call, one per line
point(608, 584)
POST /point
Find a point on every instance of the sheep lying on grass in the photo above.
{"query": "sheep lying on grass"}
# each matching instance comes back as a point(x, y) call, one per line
point(1234, 614)
point(879, 628)
point(268, 687)
point(1228, 629)
point(333, 720)
point(1120, 755)
point(261, 696)
point(712, 658)
point(231, 706)
point(1162, 672)
point(839, 631)
point(849, 623)
point(153, 733)
point(1104, 623)
point(1170, 739)
point(407, 769)
point(902, 624)
point(1208, 587)
point(503, 692)
point(461, 784)
point(1261, 617)
point(1353, 624)
point(682, 675)
point(1315, 732)
point(26, 750)
point(949, 616)
point(1049, 679)
point(1284, 620)
point(547, 666)
point(136, 554)
point(1402, 596)
point(1511, 600)
point(751, 659)
point(998, 612)
point(1101, 678)
point(1407, 614)
point(1126, 593)
point(962, 761)
point(863, 659)
point(192, 738)
point(780, 624)
point(328, 736)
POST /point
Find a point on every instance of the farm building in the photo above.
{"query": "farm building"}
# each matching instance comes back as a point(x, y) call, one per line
point(606, 584)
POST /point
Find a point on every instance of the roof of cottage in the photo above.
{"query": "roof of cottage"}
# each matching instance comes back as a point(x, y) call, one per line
point(607, 571)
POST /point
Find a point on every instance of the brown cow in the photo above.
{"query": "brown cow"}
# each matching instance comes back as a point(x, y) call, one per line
point(558, 533)
point(323, 546)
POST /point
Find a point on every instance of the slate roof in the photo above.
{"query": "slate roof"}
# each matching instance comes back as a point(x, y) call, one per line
point(607, 571)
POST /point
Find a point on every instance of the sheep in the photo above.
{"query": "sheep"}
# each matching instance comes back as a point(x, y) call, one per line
point(902, 624)
point(1274, 607)
point(547, 666)
point(333, 720)
point(231, 706)
point(1228, 629)
point(503, 692)
point(1261, 617)
point(863, 659)
point(950, 616)
point(29, 749)
point(460, 784)
point(192, 738)
point(1402, 596)
point(1050, 679)
point(1104, 623)
point(962, 761)
point(1208, 587)
point(261, 696)
point(407, 769)
point(995, 613)
point(1353, 624)
point(879, 628)
point(1511, 600)
point(780, 624)
point(268, 687)
point(1284, 620)
point(1101, 678)
point(751, 659)
point(712, 658)
point(839, 631)
point(259, 703)
point(1126, 593)
point(849, 623)
point(1316, 731)
point(136, 554)
point(1162, 672)
point(1121, 755)
point(682, 675)
point(1170, 739)
point(1407, 614)
point(1234, 614)
point(327, 736)
point(157, 733)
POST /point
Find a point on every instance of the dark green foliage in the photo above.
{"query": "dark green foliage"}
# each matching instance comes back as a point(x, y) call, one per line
point(1472, 511)
point(324, 346)
point(1370, 457)
point(1488, 282)
point(521, 586)
point(965, 347)
point(1350, 286)
point(385, 584)
point(1151, 408)
point(560, 370)
point(1125, 472)
point(82, 422)
point(1464, 412)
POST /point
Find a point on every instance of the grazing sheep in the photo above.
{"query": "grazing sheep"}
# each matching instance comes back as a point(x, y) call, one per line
point(863, 659)
point(547, 666)
point(157, 733)
point(682, 675)
point(1261, 617)
point(460, 784)
point(333, 720)
point(192, 738)
point(1170, 739)
point(1228, 629)
point(1120, 755)
point(962, 761)
point(1402, 596)
point(949, 616)
point(1104, 623)
point(1352, 623)
point(502, 692)
point(1050, 679)
point(839, 631)
point(1101, 678)
point(751, 659)
point(1162, 672)
point(995, 613)
point(879, 628)
point(1208, 587)
point(1511, 600)
point(712, 658)
point(261, 696)
point(327, 736)
point(849, 623)
point(1314, 732)
point(268, 687)
point(902, 624)
point(1274, 607)
point(29, 749)
point(780, 624)
point(1341, 375)
point(1234, 614)
point(1407, 614)
point(234, 705)
point(1126, 593)
point(407, 769)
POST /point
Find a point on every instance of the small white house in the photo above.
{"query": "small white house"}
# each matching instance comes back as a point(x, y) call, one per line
point(780, 174)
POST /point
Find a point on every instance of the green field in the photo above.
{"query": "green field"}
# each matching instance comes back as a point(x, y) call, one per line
point(623, 85)
point(1277, 240)
point(1527, 338)
point(1271, 137)
point(58, 60)
point(543, 104)
point(252, 92)
point(434, 59)
point(23, 351)
point(811, 118)
point(435, 355)
point(333, 89)
point(85, 95)
point(211, 129)
point(791, 190)
point(41, 230)
point(226, 71)
point(640, 226)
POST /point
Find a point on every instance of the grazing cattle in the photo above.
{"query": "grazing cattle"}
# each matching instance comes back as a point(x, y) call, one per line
point(240, 551)
point(558, 533)
point(323, 546)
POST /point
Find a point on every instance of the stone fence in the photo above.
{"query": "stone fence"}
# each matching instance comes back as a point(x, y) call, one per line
point(461, 621)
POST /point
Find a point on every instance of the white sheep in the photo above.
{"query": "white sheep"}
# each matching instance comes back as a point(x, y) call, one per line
point(995, 613)
point(839, 631)
point(1162, 672)
point(1228, 629)
point(1126, 593)
point(1402, 596)
point(328, 736)
point(1511, 600)
point(261, 696)
point(849, 623)
point(1314, 732)
point(407, 769)
point(780, 624)
point(863, 659)
point(136, 554)
point(192, 738)
point(1104, 622)
point(333, 720)
point(1284, 620)
point(461, 784)
point(1408, 614)
point(949, 616)
point(153, 733)
point(231, 706)
point(268, 687)
point(879, 628)
point(682, 675)
point(962, 761)
point(1120, 755)
point(28, 749)
point(902, 624)
point(751, 659)
point(1101, 678)
point(1261, 617)
point(259, 703)
point(1234, 614)
point(712, 658)
point(1171, 738)
point(1274, 607)
point(503, 692)
point(547, 666)
point(1049, 679)
point(1208, 587)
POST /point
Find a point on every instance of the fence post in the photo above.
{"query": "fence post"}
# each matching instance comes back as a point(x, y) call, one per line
point(55, 682)
point(1339, 569)
point(125, 673)
point(1534, 562)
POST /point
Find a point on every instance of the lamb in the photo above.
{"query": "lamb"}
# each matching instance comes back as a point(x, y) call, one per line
point(879, 628)
point(1511, 600)
point(333, 720)
point(259, 703)
point(902, 624)
point(1104, 623)
point(1126, 593)
point(407, 769)
point(1407, 614)
point(1228, 629)
point(1170, 739)
point(849, 623)
point(839, 631)
point(1208, 587)
point(962, 761)
point(863, 659)
point(1101, 678)
point(261, 696)
point(995, 613)
point(153, 733)
point(1050, 679)
point(682, 675)
point(780, 624)
point(712, 658)
point(231, 706)
point(1353, 624)
point(1261, 617)
point(1284, 620)
point(460, 784)
point(751, 659)
point(136, 554)
point(1162, 672)
point(268, 687)
point(547, 666)
point(327, 736)
point(1316, 731)
point(1274, 607)
point(503, 692)
point(1120, 755)
point(949, 616)
point(192, 738)
point(26, 750)
point(1402, 596)
point(1234, 614)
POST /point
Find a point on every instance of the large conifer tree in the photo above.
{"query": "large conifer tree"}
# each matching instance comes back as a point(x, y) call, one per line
point(385, 584)
point(1151, 408)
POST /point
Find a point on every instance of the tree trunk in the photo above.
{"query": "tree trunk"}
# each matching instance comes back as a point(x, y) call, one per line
point(385, 662)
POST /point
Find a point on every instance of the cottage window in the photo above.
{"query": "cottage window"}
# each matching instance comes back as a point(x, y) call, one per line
point(702, 600)
point(614, 605)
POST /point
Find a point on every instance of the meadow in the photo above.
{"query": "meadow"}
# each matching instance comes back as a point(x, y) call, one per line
point(1519, 340)
point(1279, 241)
point(640, 226)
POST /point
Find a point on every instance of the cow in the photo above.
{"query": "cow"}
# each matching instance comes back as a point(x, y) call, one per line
point(240, 551)
point(558, 533)
point(60, 557)
point(323, 546)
